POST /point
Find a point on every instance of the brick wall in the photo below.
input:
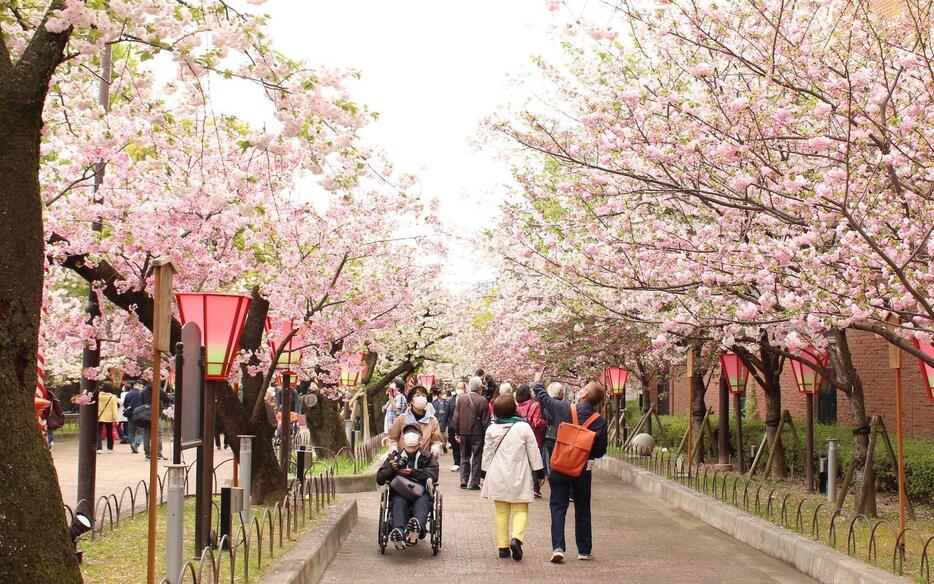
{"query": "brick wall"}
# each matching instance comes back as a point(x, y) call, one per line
point(870, 355)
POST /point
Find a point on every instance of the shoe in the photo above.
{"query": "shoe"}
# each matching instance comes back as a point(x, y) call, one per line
point(161, 457)
point(397, 538)
point(474, 487)
point(455, 468)
point(515, 546)
point(557, 556)
point(134, 449)
point(445, 449)
point(537, 494)
point(99, 451)
point(504, 552)
point(463, 485)
point(413, 526)
point(147, 457)
point(585, 557)
point(51, 446)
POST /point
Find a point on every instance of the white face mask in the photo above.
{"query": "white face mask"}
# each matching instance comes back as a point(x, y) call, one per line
point(411, 439)
point(419, 402)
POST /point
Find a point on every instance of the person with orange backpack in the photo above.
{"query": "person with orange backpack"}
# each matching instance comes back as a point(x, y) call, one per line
point(581, 438)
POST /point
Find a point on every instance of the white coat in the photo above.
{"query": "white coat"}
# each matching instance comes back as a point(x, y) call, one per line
point(509, 472)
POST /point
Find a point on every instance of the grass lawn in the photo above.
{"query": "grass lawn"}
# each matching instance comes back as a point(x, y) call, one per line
point(119, 557)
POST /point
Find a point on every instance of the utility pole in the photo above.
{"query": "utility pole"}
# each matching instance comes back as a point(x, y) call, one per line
point(91, 356)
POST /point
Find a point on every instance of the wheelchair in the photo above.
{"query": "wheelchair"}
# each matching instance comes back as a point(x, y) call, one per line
point(433, 525)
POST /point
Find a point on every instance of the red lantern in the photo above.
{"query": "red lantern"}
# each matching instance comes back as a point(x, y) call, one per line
point(291, 354)
point(806, 377)
point(221, 318)
point(736, 373)
point(927, 372)
point(614, 379)
point(352, 365)
point(426, 381)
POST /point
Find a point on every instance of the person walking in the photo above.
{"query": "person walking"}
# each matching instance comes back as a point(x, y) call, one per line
point(590, 401)
point(131, 400)
point(121, 416)
point(556, 391)
point(395, 403)
point(152, 423)
point(529, 410)
point(441, 412)
point(106, 415)
point(512, 466)
point(470, 421)
point(459, 390)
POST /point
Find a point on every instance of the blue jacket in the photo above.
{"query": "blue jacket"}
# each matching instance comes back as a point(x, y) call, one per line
point(560, 411)
point(130, 401)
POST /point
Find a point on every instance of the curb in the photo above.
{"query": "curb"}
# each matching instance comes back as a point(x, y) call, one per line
point(307, 560)
point(359, 483)
point(809, 557)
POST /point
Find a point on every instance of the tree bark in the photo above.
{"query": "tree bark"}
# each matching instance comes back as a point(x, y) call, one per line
point(851, 385)
point(326, 425)
point(34, 542)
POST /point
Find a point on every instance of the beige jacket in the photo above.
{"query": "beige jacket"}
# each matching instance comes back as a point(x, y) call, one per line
point(106, 407)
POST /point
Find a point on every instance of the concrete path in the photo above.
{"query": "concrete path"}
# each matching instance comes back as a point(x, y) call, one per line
point(120, 468)
point(638, 539)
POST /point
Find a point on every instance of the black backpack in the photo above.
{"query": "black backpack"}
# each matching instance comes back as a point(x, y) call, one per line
point(56, 418)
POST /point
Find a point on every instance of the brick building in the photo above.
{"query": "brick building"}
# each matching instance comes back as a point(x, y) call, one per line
point(870, 355)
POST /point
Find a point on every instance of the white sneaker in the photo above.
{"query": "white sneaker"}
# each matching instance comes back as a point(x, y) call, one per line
point(585, 557)
point(455, 468)
point(557, 556)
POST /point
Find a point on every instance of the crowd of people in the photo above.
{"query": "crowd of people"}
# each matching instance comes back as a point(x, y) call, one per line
point(502, 438)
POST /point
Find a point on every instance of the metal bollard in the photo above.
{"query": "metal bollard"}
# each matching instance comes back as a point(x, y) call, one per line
point(231, 502)
point(303, 462)
point(174, 537)
point(832, 470)
point(245, 474)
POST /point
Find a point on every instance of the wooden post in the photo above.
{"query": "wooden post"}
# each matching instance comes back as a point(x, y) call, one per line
point(895, 362)
point(740, 445)
point(161, 332)
point(724, 423)
point(809, 458)
point(689, 372)
point(285, 424)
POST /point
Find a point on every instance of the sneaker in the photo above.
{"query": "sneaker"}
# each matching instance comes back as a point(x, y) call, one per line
point(504, 553)
point(414, 528)
point(585, 557)
point(537, 494)
point(463, 485)
point(455, 468)
point(134, 449)
point(515, 546)
point(397, 538)
point(99, 451)
point(557, 556)
point(51, 445)
point(147, 457)
point(474, 487)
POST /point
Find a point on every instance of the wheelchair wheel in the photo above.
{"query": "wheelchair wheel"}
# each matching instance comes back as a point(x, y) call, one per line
point(436, 525)
point(383, 525)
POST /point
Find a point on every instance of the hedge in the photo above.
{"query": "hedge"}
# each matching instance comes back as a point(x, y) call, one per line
point(919, 452)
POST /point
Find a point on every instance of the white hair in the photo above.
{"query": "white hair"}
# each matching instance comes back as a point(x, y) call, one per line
point(506, 388)
point(556, 390)
point(475, 384)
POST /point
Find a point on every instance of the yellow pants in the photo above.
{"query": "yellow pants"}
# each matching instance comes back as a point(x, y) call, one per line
point(520, 516)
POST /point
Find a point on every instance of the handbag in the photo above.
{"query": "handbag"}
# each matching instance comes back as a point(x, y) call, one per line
point(142, 414)
point(406, 488)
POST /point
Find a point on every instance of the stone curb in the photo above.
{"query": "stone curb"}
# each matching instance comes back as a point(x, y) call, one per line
point(359, 483)
point(812, 558)
point(307, 560)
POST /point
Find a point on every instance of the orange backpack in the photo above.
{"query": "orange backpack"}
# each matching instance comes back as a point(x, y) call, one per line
point(573, 445)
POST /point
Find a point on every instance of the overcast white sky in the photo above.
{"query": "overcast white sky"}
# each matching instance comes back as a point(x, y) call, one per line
point(433, 69)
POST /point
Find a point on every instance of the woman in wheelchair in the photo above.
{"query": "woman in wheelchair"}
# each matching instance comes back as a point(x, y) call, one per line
point(410, 475)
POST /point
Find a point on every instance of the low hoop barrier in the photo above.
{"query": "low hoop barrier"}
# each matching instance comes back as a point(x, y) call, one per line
point(877, 542)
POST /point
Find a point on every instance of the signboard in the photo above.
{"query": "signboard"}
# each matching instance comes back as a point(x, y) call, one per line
point(188, 400)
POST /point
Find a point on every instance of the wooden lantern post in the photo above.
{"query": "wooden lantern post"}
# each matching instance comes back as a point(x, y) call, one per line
point(161, 333)
point(895, 362)
point(689, 373)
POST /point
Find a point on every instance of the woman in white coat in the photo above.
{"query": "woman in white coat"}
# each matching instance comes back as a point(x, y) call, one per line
point(511, 461)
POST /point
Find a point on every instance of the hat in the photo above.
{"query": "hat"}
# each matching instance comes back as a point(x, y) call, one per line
point(413, 427)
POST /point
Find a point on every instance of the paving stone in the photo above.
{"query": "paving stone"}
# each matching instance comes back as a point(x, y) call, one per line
point(638, 539)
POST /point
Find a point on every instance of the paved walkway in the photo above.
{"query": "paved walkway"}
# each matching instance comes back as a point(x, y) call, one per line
point(638, 539)
point(120, 468)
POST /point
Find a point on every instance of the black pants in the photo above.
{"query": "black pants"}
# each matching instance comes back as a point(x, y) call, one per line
point(563, 488)
point(109, 426)
point(471, 459)
point(455, 447)
point(402, 510)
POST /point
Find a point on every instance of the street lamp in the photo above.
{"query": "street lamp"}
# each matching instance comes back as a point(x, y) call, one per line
point(291, 356)
point(614, 379)
point(221, 318)
point(927, 372)
point(735, 374)
point(808, 380)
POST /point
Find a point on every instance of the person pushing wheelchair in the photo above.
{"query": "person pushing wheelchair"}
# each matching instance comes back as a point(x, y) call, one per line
point(408, 473)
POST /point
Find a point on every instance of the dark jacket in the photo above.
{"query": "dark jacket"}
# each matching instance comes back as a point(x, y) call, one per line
point(145, 397)
point(471, 415)
point(441, 413)
point(130, 401)
point(560, 411)
point(449, 410)
point(424, 467)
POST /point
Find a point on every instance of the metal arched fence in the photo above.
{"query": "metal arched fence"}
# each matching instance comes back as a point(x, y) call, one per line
point(874, 541)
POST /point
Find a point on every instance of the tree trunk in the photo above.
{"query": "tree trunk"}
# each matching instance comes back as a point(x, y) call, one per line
point(771, 370)
point(842, 360)
point(34, 542)
point(698, 409)
point(326, 425)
